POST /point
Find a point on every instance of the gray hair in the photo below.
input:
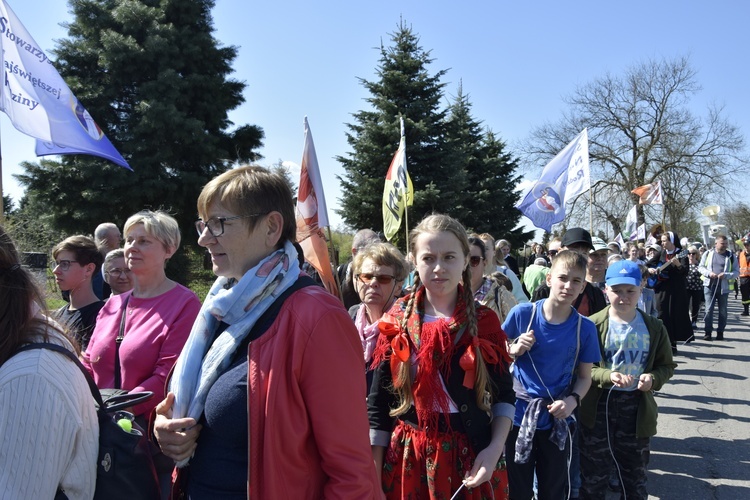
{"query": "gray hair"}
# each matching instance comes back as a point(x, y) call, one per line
point(363, 238)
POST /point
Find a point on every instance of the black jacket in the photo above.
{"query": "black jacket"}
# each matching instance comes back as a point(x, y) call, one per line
point(595, 297)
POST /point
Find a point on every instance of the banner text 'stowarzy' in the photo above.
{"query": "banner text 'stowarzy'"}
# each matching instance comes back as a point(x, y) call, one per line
point(39, 103)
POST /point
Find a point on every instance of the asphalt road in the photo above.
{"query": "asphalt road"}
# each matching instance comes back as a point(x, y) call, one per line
point(702, 449)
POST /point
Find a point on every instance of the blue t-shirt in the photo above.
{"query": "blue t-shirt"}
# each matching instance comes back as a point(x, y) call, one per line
point(626, 348)
point(553, 354)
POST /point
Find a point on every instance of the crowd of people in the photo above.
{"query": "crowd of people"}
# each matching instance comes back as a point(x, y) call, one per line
point(453, 374)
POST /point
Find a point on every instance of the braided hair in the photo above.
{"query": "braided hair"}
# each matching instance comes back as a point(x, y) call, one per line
point(433, 224)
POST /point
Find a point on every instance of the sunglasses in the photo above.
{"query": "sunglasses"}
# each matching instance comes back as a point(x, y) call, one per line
point(383, 279)
point(475, 260)
point(552, 252)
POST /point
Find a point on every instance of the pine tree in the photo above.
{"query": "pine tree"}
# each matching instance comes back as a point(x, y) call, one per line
point(405, 88)
point(488, 172)
point(157, 82)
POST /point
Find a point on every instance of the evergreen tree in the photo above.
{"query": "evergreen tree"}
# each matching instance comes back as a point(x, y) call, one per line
point(405, 88)
point(155, 79)
point(456, 167)
point(487, 172)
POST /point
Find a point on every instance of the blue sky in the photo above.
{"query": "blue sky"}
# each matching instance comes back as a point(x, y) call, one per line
point(517, 60)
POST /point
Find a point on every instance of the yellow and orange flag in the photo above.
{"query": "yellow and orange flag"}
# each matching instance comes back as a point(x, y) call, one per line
point(398, 192)
point(312, 215)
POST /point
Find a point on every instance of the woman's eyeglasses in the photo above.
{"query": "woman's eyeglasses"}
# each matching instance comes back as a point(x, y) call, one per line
point(383, 279)
point(117, 272)
point(215, 225)
point(62, 264)
point(475, 260)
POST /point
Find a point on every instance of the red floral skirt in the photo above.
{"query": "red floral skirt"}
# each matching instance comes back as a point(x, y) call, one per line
point(418, 467)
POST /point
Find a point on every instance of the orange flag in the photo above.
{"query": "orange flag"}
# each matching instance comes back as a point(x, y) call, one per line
point(651, 194)
point(312, 215)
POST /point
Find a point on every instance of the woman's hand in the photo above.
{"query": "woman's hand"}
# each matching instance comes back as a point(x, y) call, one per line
point(177, 437)
point(484, 466)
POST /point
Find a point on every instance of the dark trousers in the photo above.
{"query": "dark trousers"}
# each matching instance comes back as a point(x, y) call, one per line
point(696, 299)
point(745, 290)
point(550, 464)
point(631, 453)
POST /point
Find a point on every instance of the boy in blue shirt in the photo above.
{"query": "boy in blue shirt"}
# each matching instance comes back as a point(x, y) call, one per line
point(554, 349)
point(618, 415)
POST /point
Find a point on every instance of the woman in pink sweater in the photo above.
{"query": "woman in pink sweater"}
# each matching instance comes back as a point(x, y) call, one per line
point(155, 319)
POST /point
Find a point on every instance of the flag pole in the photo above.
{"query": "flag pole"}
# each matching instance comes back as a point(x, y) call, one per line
point(2, 198)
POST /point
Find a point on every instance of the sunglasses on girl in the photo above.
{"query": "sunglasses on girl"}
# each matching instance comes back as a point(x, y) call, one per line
point(475, 260)
point(383, 279)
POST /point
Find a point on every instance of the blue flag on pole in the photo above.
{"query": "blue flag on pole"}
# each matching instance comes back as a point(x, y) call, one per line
point(39, 103)
point(564, 178)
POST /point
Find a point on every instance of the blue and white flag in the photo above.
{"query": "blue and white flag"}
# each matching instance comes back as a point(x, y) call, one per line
point(564, 178)
point(39, 103)
point(631, 224)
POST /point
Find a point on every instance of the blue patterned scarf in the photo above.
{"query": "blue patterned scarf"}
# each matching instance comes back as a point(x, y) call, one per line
point(201, 362)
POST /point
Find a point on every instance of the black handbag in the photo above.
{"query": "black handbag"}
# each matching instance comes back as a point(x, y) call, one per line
point(125, 469)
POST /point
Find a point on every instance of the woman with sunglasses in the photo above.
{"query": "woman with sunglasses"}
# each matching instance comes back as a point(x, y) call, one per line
point(266, 399)
point(153, 321)
point(379, 272)
point(487, 291)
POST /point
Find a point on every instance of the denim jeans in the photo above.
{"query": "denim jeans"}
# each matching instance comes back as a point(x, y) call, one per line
point(722, 299)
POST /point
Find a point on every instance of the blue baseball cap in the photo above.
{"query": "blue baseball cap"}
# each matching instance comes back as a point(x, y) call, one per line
point(623, 272)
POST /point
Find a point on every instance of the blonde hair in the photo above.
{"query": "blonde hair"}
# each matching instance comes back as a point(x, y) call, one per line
point(570, 260)
point(160, 225)
point(433, 224)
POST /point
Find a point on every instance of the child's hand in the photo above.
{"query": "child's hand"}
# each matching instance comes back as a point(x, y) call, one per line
point(484, 466)
point(645, 382)
point(523, 343)
point(561, 409)
point(621, 380)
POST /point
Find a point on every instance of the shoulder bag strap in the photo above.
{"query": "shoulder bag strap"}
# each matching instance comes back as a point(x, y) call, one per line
point(58, 348)
point(578, 344)
point(113, 403)
point(118, 341)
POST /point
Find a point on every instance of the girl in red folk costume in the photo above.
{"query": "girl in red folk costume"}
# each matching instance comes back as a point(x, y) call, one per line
point(441, 401)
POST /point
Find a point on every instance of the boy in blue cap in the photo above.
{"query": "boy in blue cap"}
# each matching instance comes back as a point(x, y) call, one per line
point(618, 414)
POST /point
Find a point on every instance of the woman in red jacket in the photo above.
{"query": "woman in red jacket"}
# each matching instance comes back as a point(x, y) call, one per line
point(266, 397)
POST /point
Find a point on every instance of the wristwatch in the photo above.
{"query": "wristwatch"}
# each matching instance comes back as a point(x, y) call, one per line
point(576, 397)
